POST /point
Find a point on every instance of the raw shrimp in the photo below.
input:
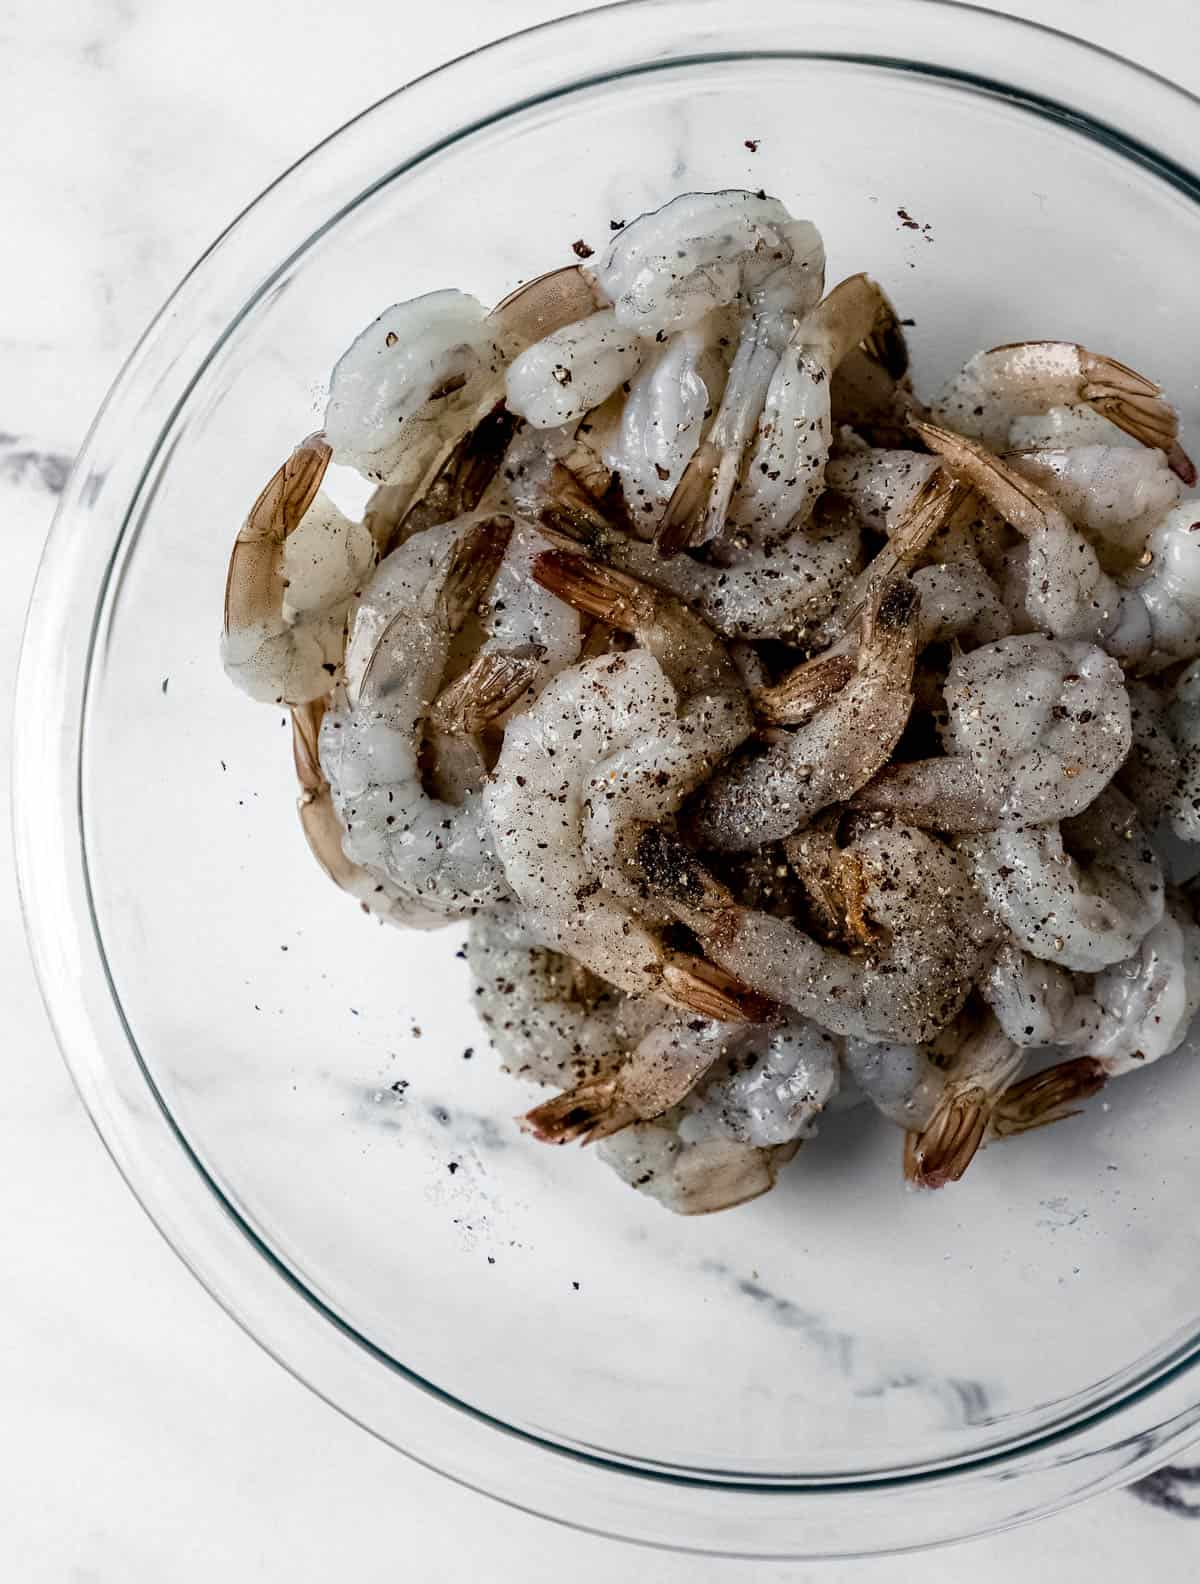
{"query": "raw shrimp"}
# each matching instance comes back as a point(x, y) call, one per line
point(370, 745)
point(535, 804)
point(1036, 1002)
point(882, 486)
point(1037, 728)
point(1147, 1003)
point(323, 832)
point(765, 796)
point(295, 567)
point(557, 380)
point(1183, 718)
point(1151, 775)
point(549, 1020)
point(945, 1145)
point(424, 374)
point(769, 1092)
point(645, 779)
point(780, 591)
point(663, 417)
point(994, 387)
point(1117, 495)
point(667, 269)
point(900, 1081)
point(693, 1178)
point(778, 390)
point(926, 928)
point(1082, 895)
point(1151, 615)
point(530, 637)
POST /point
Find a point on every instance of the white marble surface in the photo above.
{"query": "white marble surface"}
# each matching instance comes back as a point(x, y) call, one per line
point(146, 1438)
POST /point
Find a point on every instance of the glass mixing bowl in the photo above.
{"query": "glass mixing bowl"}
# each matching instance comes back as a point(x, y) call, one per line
point(842, 1366)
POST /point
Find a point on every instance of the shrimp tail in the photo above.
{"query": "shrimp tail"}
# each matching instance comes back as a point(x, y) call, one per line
point(804, 691)
point(573, 511)
point(931, 508)
point(941, 1152)
point(1049, 1096)
point(254, 581)
point(585, 1114)
point(473, 563)
point(699, 986)
point(1136, 405)
point(688, 521)
point(489, 687)
point(595, 589)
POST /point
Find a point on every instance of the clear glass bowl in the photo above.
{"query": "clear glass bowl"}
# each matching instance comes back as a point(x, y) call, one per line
point(838, 1368)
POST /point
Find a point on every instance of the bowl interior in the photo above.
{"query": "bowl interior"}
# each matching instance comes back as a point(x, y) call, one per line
point(330, 1075)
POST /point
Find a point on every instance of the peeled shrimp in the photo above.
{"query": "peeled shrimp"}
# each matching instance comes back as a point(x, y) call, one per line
point(1152, 774)
point(1035, 1002)
point(295, 567)
point(1082, 895)
point(1116, 495)
point(995, 387)
point(667, 269)
point(765, 796)
point(435, 851)
point(779, 591)
point(1146, 1004)
point(424, 374)
point(1150, 615)
point(1036, 730)
point(900, 1081)
point(536, 810)
point(769, 1092)
point(645, 779)
point(924, 931)
point(697, 1177)
point(778, 391)
point(550, 1022)
point(557, 380)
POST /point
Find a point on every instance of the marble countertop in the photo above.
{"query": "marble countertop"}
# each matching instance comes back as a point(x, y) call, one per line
point(146, 1437)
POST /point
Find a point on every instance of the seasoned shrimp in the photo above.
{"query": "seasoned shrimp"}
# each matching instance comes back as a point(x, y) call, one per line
point(694, 1178)
point(994, 387)
point(323, 832)
point(557, 380)
point(1117, 495)
point(1183, 718)
point(767, 795)
point(770, 1092)
point(900, 1081)
point(295, 567)
point(646, 779)
point(427, 372)
point(1151, 615)
point(778, 391)
point(781, 591)
point(669, 268)
point(941, 1149)
point(1036, 1002)
point(1151, 775)
point(1036, 730)
point(370, 745)
point(536, 811)
point(550, 1022)
point(924, 927)
point(1082, 895)
point(1147, 1003)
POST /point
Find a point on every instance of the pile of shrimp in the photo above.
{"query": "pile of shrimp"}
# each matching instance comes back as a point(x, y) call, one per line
point(789, 743)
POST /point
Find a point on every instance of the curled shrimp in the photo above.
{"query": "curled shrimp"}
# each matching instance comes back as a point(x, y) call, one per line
point(1037, 728)
point(424, 374)
point(550, 1021)
point(1034, 1001)
point(370, 745)
point(995, 387)
point(778, 391)
point(696, 1177)
point(780, 591)
point(645, 780)
point(536, 809)
point(1115, 494)
point(296, 564)
point(1151, 615)
point(1152, 774)
point(923, 929)
point(1081, 895)
point(767, 795)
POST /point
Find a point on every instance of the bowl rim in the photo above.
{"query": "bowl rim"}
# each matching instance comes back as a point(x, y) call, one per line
point(1153, 1416)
